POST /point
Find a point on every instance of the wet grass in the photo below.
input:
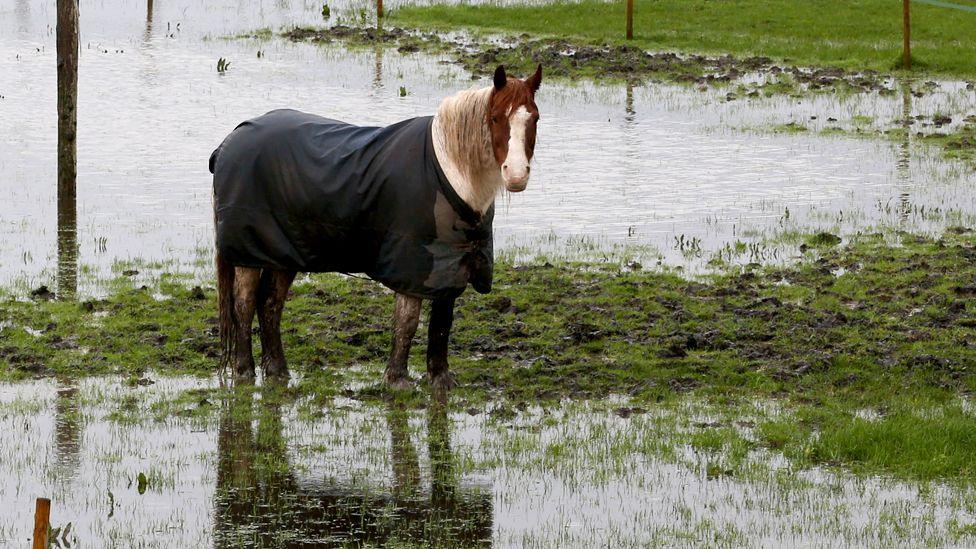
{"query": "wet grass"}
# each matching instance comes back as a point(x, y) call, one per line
point(958, 143)
point(415, 471)
point(855, 36)
point(955, 141)
point(917, 439)
point(855, 326)
point(569, 59)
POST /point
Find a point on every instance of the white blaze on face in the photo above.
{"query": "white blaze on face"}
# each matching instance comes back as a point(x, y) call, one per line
point(515, 169)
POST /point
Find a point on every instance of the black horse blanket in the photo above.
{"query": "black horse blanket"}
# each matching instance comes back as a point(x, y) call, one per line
point(300, 192)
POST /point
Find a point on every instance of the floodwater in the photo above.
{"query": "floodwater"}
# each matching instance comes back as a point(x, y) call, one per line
point(184, 462)
point(653, 172)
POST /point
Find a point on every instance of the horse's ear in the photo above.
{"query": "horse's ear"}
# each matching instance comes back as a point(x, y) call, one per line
point(535, 80)
point(500, 77)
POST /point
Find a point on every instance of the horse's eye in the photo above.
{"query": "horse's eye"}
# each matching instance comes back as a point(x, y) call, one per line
point(494, 119)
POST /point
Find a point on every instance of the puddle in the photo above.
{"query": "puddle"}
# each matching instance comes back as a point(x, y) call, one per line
point(185, 463)
point(656, 173)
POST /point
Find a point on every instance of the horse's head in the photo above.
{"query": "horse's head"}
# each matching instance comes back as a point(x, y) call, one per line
point(512, 118)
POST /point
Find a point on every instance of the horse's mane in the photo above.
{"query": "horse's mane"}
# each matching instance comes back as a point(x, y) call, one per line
point(462, 143)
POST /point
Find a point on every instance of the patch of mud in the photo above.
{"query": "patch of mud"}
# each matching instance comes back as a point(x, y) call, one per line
point(563, 58)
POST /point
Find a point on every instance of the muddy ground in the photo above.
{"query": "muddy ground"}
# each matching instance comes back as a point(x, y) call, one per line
point(567, 59)
point(841, 329)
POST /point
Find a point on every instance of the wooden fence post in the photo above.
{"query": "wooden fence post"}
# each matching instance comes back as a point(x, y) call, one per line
point(42, 522)
point(67, 60)
point(907, 48)
point(630, 19)
point(379, 9)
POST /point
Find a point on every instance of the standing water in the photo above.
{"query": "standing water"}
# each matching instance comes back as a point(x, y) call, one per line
point(184, 462)
point(654, 172)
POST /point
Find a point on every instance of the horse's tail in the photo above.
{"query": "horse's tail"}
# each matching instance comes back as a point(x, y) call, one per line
point(225, 311)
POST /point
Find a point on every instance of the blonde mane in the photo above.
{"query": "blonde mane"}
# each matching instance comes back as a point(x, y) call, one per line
point(462, 145)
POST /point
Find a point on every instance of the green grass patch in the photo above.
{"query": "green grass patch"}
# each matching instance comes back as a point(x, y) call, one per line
point(918, 440)
point(851, 35)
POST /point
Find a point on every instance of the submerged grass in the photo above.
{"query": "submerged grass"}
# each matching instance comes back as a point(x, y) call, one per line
point(955, 142)
point(851, 35)
point(857, 326)
point(958, 143)
point(411, 472)
point(924, 442)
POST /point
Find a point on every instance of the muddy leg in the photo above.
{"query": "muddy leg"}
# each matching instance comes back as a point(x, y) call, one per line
point(246, 281)
point(438, 333)
point(271, 302)
point(405, 320)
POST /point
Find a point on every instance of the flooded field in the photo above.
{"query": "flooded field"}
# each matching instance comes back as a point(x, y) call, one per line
point(187, 462)
point(652, 172)
point(527, 453)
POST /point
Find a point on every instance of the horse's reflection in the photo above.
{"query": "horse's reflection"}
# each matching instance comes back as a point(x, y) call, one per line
point(259, 501)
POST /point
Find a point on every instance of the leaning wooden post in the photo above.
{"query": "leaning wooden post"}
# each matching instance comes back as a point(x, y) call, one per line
point(630, 19)
point(907, 24)
point(42, 522)
point(67, 59)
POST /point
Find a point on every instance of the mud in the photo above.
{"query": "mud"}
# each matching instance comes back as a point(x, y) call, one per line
point(755, 75)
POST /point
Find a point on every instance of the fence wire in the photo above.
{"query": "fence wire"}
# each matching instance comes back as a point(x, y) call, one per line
point(946, 5)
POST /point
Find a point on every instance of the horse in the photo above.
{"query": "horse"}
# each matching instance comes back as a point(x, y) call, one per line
point(410, 205)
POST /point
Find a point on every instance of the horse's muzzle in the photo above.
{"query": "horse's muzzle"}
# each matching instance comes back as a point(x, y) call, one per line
point(517, 186)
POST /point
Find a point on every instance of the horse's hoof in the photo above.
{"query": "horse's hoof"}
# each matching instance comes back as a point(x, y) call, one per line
point(275, 382)
point(244, 372)
point(400, 384)
point(443, 381)
point(275, 369)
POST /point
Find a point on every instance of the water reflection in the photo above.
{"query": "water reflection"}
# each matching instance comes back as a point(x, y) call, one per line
point(675, 170)
point(443, 491)
point(68, 429)
point(378, 69)
point(22, 14)
point(903, 166)
point(260, 501)
point(629, 103)
point(147, 36)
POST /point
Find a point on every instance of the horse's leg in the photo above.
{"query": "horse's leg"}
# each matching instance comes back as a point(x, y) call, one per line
point(246, 280)
point(438, 333)
point(405, 320)
point(271, 302)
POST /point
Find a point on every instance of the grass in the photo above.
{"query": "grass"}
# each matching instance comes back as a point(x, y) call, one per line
point(856, 326)
point(850, 35)
point(957, 142)
point(915, 439)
